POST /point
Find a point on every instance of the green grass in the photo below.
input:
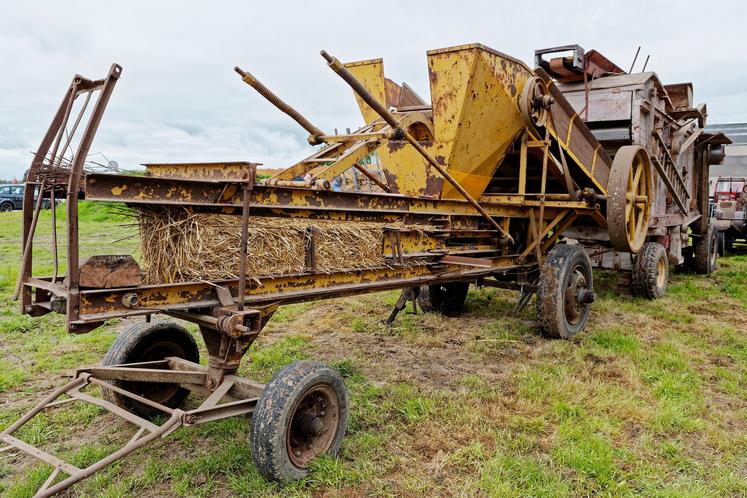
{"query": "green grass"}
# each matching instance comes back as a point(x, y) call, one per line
point(651, 400)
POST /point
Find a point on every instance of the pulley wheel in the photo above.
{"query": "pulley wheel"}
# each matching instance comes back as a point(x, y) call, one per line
point(534, 102)
point(629, 198)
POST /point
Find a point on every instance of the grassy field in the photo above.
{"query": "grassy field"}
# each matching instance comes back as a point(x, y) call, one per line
point(650, 401)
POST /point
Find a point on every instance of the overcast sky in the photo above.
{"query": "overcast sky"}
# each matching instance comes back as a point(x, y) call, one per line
point(179, 99)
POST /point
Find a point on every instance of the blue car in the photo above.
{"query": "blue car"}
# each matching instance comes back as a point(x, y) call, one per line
point(11, 197)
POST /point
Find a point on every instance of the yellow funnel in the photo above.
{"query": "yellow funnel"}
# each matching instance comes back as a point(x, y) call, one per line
point(474, 119)
point(475, 92)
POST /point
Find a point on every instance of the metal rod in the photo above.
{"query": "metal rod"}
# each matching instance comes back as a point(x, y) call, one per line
point(246, 201)
point(253, 82)
point(371, 177)
point(75, 127)
point(634, 59)
point(359, 89)
point(57, 141)
point(55, 256)
point(645, 64)
point(27, 246)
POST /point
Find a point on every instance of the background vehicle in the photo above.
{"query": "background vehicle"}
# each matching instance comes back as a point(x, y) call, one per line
point(730, 200)
point(11, 198)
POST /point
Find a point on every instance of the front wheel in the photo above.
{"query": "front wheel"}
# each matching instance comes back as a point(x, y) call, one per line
point(301, 414)
point(150, 341)
point(565, 291)
point(651, 271)
point(6, 207)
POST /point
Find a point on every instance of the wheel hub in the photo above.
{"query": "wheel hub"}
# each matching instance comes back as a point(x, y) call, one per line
point(661, 273)
point(577, 296)
point(313, 425)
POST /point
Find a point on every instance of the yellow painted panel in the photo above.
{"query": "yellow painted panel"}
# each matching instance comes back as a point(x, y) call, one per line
point(476, 116)
point(371, 75)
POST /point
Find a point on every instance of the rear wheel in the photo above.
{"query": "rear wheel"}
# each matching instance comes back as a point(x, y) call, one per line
point(565, 291)
point(651, 271)
point(6, 207)
point(445, 298)
point(150, 342)
point(301, 414)
point(706, 251)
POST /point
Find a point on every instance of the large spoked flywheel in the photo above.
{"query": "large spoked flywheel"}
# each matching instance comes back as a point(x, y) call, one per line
point(629, 198)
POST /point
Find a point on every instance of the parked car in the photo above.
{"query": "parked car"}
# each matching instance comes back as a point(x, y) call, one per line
point(11, 197)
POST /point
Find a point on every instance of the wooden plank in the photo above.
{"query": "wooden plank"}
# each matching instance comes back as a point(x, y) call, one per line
point(603, 105)
point(110, 272)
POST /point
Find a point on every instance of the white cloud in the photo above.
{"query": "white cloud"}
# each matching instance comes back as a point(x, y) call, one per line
point(179, 99)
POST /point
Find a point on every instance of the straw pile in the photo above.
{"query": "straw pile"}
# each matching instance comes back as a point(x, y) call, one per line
point(182, 246)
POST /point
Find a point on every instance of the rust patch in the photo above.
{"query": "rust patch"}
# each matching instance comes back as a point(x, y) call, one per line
point(395, 145)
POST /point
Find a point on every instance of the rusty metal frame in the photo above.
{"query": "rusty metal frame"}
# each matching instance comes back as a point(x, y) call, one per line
point(241, 396)
point(464, 239)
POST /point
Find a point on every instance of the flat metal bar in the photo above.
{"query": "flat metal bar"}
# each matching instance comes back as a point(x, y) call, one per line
point(547, 230)
point(39, 454)
point(57, 289)
point(242, 387)
point(52, 476)
point(131, 395)
point(146, 375)
point(136, 436)
point(76, 383)
point(270, 200)
point(218, 394)
point(60, 402)
point(116, 410)
point(355, 137)
point(169, 425)
point(106, 303)
point(462, 260)
point(143, 364)
point(217, 412)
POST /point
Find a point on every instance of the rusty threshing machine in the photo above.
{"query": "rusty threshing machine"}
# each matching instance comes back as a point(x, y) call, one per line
point(623, 109)
point(479, 185)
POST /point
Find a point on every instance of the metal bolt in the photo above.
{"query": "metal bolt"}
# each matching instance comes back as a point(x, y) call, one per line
point(322, 413)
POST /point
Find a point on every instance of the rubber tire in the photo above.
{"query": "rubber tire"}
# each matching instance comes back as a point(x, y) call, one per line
point(445, 298)
point(273, 412)
point(555, 273)
point(128, 348)
point(705, 261)
point(646, 271)
point(6, 207)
